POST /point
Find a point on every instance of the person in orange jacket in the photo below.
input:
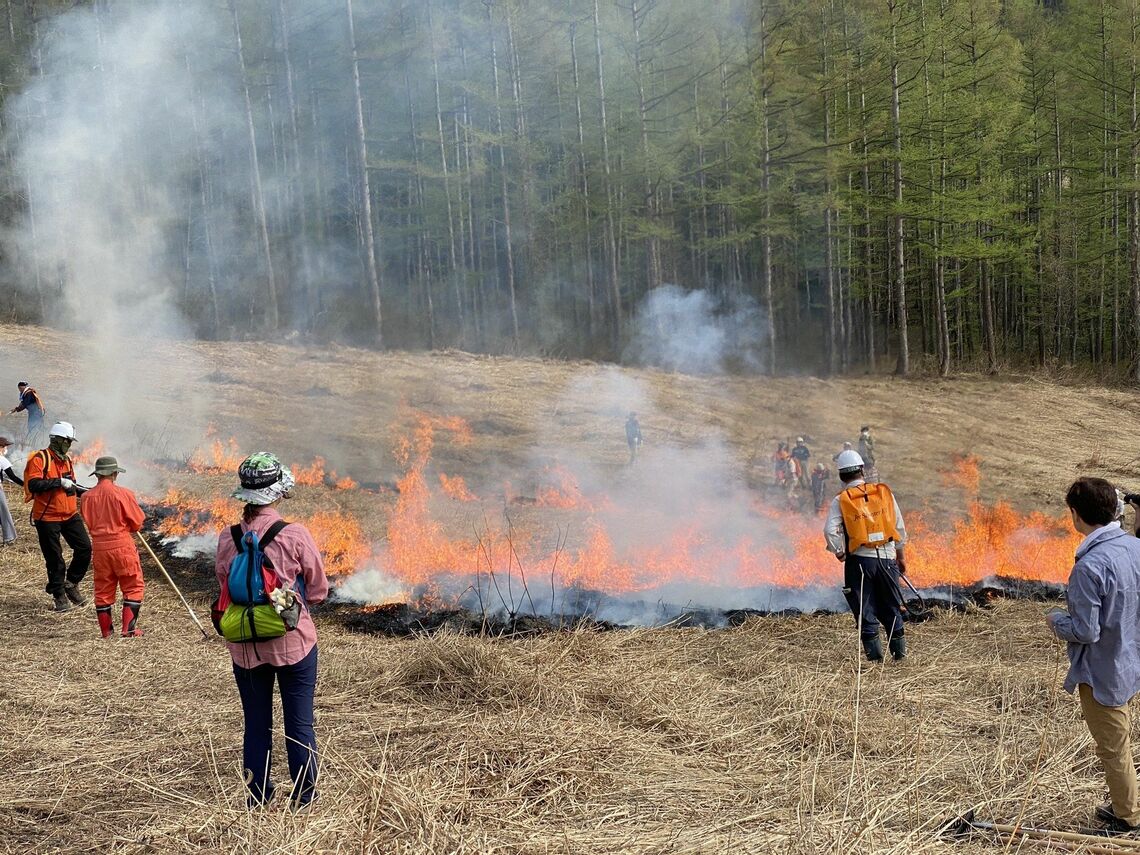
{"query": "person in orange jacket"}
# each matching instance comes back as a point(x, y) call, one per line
point(49, 484)
point(113, 515)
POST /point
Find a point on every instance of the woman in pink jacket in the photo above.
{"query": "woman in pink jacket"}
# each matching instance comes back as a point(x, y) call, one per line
point(291, 659)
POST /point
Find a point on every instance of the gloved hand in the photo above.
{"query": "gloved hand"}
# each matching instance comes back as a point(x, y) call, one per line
point(901, 562)
point(67, 484)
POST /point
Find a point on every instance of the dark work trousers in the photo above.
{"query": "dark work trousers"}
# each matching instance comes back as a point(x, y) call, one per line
point(58, 571)
point(871, 587)
point(255, 686)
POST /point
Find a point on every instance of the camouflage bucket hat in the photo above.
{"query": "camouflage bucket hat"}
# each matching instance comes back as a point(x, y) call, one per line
point(263, 479)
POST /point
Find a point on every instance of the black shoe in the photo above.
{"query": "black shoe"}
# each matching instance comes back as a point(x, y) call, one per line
point(61, 604)
point(898, 647)
point(73, 594)
point(1112, 823)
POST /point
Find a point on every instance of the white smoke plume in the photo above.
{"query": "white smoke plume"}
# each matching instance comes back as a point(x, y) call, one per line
point(694, 332)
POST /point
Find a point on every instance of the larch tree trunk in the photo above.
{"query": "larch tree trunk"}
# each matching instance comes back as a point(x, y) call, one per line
point(370, 249)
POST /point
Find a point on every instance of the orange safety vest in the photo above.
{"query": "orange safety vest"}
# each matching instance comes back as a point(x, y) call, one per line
point(54, 505)
point(868, 516)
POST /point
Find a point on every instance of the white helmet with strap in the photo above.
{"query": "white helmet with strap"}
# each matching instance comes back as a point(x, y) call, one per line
point(849, 460)
point(63, 429)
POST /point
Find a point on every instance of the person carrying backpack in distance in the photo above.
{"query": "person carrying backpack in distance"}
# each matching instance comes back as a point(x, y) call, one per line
point(113, 515)
point(270, 572)
point(31, 404)
point(865, 530)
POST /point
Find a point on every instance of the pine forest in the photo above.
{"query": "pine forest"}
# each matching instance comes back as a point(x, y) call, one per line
point(899, 185)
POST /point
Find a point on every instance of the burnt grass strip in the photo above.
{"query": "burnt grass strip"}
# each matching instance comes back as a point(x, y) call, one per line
point(195, 577)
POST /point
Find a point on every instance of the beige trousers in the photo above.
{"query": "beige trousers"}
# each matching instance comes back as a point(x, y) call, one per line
point(1111, 729)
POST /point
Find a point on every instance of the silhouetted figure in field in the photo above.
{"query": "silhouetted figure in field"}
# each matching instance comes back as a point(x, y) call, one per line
point(633, 436)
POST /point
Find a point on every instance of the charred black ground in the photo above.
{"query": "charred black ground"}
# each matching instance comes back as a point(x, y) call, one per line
point(399, 620)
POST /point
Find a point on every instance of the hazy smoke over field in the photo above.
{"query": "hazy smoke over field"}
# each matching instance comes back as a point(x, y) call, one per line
point(695, 333)
point(108, 140)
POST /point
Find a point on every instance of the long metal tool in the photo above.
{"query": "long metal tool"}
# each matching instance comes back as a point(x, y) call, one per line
point(193, 616)
point(1095, 844)
point(914, 590)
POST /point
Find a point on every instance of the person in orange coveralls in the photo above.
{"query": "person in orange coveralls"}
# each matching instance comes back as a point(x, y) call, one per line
point(113, 515)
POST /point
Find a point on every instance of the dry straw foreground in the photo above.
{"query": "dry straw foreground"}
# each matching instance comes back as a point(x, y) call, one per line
point(772, 737)
point(767, 738)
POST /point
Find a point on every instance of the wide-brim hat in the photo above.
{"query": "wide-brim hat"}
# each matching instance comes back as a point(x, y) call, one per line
point(107, 466)
point(5, 442)
point(264, 480)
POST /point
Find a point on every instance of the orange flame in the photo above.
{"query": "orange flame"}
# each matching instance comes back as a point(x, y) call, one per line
point(625, 550)
point(312, 475)
point(222, 457)
point(963, 473)
point(456, 488)
point(340, 539)
point(91, 452)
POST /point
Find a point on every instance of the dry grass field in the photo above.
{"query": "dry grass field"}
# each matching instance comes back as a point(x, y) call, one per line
point(770, 737)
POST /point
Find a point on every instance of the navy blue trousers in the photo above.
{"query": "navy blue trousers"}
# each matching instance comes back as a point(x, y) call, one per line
point(871, 587)
point(297, 683)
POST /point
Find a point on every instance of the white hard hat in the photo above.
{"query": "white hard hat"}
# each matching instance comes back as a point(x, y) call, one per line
point(849, 460)
point(63, 429)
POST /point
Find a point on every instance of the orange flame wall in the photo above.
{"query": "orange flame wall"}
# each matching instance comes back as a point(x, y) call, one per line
point(782, 548)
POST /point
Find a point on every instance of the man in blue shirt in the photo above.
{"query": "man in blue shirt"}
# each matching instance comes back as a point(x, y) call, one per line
point(30, 402)
point(1102, 628)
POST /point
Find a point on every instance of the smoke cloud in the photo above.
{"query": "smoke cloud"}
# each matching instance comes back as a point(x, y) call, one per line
point(695, 332)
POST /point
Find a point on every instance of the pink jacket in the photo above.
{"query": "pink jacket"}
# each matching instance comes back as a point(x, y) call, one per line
point(294, 554)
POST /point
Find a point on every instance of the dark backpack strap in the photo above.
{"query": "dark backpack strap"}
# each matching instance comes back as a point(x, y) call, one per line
point(271, 533)
point(236, 534)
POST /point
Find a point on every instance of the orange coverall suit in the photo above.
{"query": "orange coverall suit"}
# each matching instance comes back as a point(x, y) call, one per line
point(113, 515)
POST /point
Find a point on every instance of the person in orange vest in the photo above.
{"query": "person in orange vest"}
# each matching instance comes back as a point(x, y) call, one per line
point(49, 484)
point(113, 515)
point(865, 530)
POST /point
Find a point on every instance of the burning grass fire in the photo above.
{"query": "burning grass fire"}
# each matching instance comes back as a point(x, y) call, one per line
point(590, 553)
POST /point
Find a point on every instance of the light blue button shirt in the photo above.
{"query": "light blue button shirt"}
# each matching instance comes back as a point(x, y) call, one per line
point(1102, 625)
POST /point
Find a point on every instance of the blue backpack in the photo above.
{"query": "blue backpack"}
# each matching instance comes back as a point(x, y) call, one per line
point(243, 608)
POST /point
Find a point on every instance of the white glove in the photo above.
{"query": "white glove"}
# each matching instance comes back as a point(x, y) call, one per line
point(67, 483)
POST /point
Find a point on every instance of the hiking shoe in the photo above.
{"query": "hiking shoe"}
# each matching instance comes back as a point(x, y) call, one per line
point(73, 594)
point(1112, 823)
point(61, 604)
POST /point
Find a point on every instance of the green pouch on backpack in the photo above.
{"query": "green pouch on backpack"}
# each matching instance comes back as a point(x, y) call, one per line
point(251, 623)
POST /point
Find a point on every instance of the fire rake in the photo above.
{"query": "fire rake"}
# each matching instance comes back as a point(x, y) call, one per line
point(1072, 841)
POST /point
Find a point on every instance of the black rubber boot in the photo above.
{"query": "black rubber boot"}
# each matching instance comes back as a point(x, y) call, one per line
point(873, 647)
point(898, 647)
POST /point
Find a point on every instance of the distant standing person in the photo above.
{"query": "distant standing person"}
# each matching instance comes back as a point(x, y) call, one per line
point(1102, 628)
point(846, 447)
point(31, 404)
point(867, 450)
point(865, 530)
point(801, 453)
point(820, 475)
point(290, 659)
point(633, 436)
point(113, 515)
point(49, 484)
point(7, 524)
